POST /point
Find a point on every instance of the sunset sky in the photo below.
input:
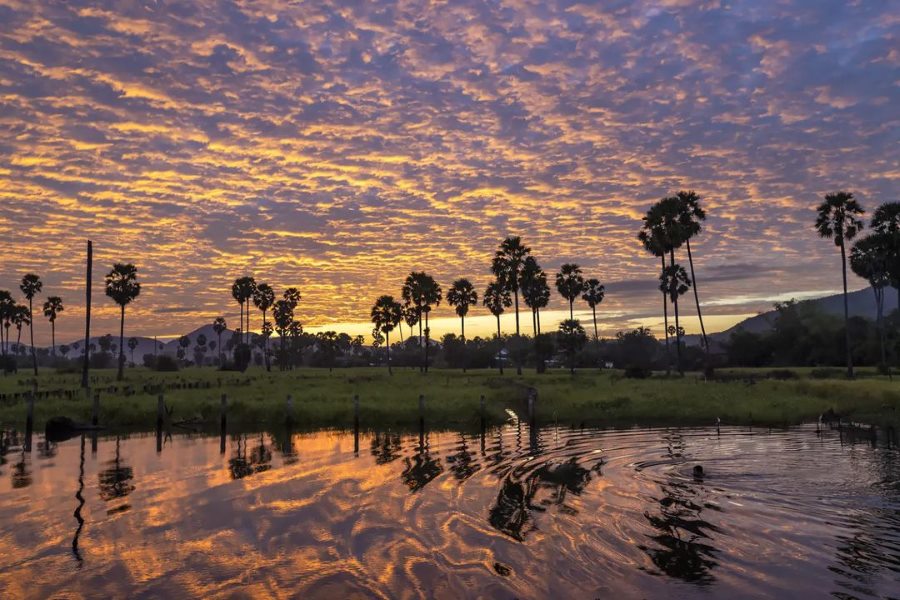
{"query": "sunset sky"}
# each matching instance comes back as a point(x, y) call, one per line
point(336, 146)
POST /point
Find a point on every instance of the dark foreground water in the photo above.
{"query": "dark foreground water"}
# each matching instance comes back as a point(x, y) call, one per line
point(554, 513)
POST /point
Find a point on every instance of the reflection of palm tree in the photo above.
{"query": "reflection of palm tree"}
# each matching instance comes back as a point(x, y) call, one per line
point(115, 481)
point(422, 468)
point(77, 513)
point(385, 447)
point(21, 475)
point(462, 463)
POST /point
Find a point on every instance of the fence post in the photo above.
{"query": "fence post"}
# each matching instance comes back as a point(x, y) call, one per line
point(290, 408)
point(222, 422)
point(95, 410)
point(29, 421)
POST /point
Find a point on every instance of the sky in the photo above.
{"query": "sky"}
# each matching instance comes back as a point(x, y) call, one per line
point(336, 146)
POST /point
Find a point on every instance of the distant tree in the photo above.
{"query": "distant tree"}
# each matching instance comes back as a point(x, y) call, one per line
point(106, 342)
point(132, 344)
point(219, 326)
point(7, 307)
point(52, 307)
point(636, 350)
point(594, 293)
point(571, 338)
point(870, 259)
point(64, 350)
point(264, 298)
point(461, 296)
point(20, 318)
point(886, 221)
point(507, 267)
point(184, 342)
point(242, 291)
point(533, 284)
point(569, 284)
point(838, 220)
point(410, 317)
point(386, 314)
point(675, 283)
point(30, 286)
point(123, 287)
point(496, 299)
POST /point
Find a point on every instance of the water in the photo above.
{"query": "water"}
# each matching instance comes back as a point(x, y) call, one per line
point(551, 513)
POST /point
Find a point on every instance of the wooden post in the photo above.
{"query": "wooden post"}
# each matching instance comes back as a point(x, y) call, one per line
point(222, 423)
point(422, 412)
point(532, 396)
point(482, 416)
point(160, 413)
point(95, 410)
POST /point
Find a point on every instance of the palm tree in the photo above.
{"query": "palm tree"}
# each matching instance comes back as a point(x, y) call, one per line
point(462, 295)
point(264, 298)
point(410, 317)
point(570, 283)
point(594, 293)
point(123, 287)
point(283, 314)
point(132, 344)
point(870, 259)
point(674, 282)
point(31, 285)
point(292, 296)
point(387, 314)
point(20, 317)
point(530, 284)
point(52, 307)
point(571, 338)
point(242, 291)
point(838, 219)
point(496, 299)
point(690, 217)
point(219, 326)
point(7, 305)
point(507, 266)
point(423, 293)
point(886, 220)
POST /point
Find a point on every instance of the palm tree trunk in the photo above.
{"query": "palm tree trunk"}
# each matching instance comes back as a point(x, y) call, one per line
point(697, 296)
point(677, 324)
point(499, 346)
point(534, 321)
point(462, 319)
point(387, 341)
point(846, 312)
point(266, 347)
point(419, 311)
point(516, 296)
point(594, 310)
point(666, 322)
point(121, 373)
point(427, 337)
point(571, 309)
point(879, 312)
point(87, 314)
point(400, 324)
point(538, 313)
point(53, 337)
point(31, 331)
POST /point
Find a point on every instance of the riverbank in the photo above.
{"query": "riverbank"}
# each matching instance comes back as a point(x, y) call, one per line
point(452, 398)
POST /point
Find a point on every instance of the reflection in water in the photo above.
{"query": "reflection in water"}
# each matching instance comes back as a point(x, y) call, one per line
point(77, 514)
point(515, 513)
point(115, 481)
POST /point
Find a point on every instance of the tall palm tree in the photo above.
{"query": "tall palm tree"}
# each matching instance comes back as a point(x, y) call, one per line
point(20, 318)
point(411, 318)
point(462, 295)
point(52, 307)
point(690, 218)
point(886, 220)
point(123, 287)
point(283, 314)
point(292, 295)
point(507, 266)
point(594, 293)
point(838, 219)
point(674, 282)
point(7, 305)
point(387, 314)
point(570, 283)
point(219, 326)
point(264, 298)
point(496, 299)
point(242, 291)
point(423, 293)
point(870, 259)
point(31, 285)
point(530, 284)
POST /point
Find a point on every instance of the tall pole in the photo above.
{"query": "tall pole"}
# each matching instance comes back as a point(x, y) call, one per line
point(87, 317)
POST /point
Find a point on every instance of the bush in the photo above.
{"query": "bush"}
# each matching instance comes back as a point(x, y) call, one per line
point(165, 363)
point(637, 372)
point(242, 357)
point(8, 364)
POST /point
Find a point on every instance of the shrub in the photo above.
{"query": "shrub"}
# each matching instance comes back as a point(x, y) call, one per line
point(165, 363)
point(637, 372)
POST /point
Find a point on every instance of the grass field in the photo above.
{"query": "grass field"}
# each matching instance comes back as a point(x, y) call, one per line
point(452, 398)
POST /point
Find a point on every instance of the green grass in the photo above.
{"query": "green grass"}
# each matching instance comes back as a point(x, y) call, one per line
point(323, 399)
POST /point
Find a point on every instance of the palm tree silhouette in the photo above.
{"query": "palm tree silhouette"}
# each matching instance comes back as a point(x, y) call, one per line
point(19, 318)
point(132, 344)
point(123, 287)
point(52, 307)
point(571, 338)
point(423, 293)
point(264, 298)
point(242, 291)
point(570, 283)
point(690, 218)
point(530, 282)
point(886, 220)
point(838, 219)
point(507, 266)
point(497, 298)
point(219, 326)
point(462, 295)
point(674, 282)
point(594, 293)
point(30, 286)
point(387, 314)
point(870, 259)
point(283, 314)
point(410, 317)
point(7, 307)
